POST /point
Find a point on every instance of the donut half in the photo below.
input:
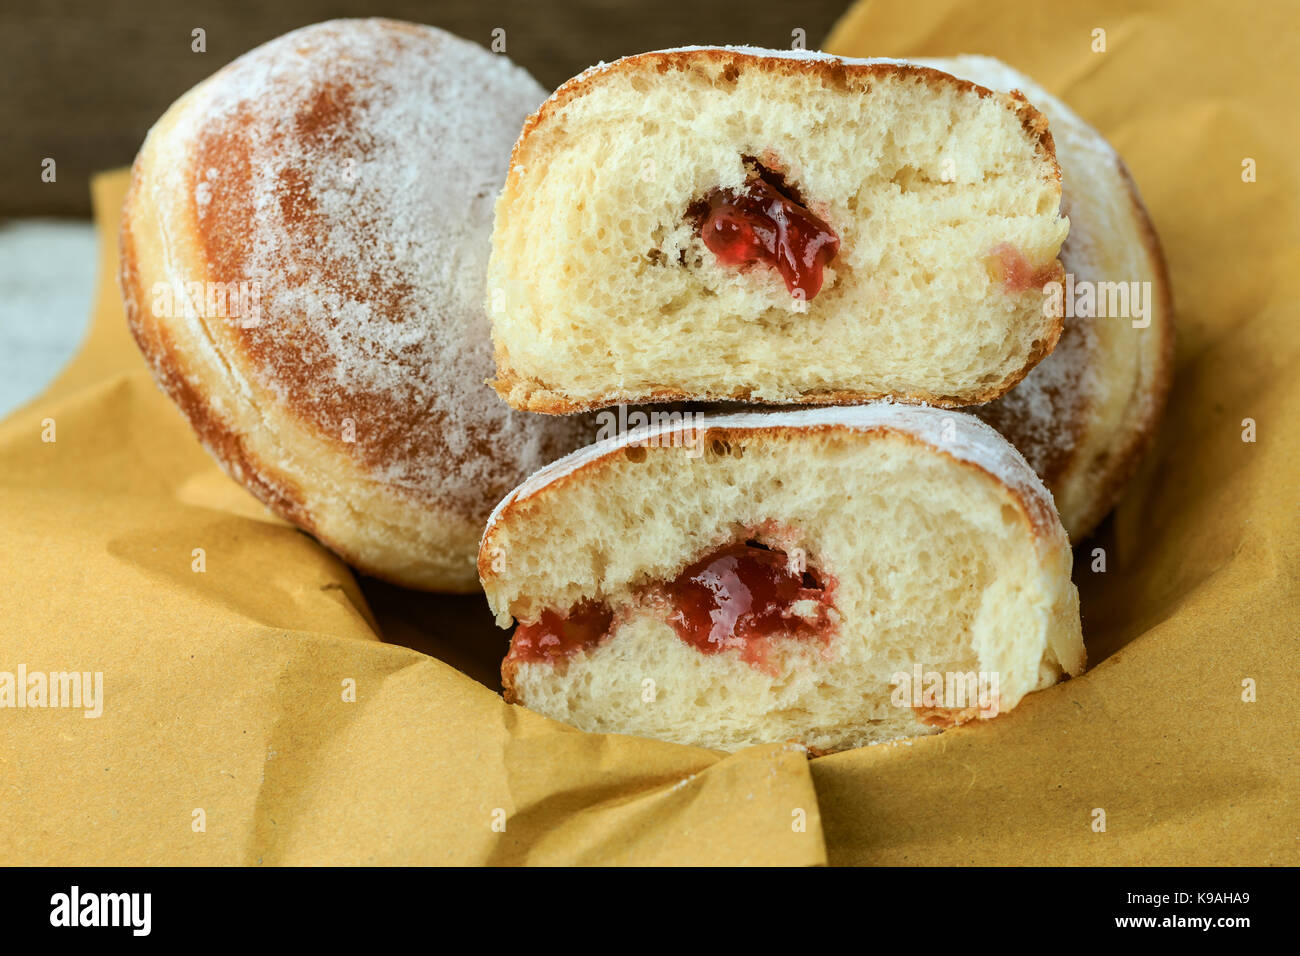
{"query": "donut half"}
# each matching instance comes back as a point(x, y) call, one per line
point(799, 576)
point(773, 227)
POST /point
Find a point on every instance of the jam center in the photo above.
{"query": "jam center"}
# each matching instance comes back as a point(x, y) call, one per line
point(760, 223)
point(742, 596)
point(556, 635)
point(1017, 274)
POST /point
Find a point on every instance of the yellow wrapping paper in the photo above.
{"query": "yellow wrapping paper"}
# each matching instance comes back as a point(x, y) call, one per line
point(229, 643)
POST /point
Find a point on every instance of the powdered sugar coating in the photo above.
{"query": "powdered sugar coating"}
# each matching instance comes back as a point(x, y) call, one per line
point(350, 168)
point(959, 435)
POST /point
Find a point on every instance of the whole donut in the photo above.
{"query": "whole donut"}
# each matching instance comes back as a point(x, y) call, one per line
point(304, 247)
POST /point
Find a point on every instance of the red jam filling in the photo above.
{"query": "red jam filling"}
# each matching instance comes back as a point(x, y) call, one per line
point(742, 596)
point(555, 635)
point(1017, 274)
point(763, 224)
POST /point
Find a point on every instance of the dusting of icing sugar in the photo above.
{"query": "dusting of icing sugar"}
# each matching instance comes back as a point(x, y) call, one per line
point(350, 168)
point(959, 435)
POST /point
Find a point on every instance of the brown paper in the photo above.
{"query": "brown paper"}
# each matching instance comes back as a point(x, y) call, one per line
point(227, 639)
point(1203, 554)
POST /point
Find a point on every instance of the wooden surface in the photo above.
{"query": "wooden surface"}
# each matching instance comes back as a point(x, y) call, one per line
point(81, 81)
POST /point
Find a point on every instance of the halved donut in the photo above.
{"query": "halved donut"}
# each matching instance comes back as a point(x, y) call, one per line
point(756, 225)
point(784, 576)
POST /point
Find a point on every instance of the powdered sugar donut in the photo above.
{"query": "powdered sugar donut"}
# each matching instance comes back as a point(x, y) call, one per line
point(303, 256)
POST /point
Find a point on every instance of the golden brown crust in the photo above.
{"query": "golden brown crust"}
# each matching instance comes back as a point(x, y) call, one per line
point(945, 718)
point(532, 396)
point(509, 668)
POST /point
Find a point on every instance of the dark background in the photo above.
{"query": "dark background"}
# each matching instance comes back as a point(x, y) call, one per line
point(82, 81)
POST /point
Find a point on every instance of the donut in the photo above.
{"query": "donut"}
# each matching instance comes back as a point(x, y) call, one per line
point(775, 227)
point(1084, 416)
point(784, 576)
point(303, 249)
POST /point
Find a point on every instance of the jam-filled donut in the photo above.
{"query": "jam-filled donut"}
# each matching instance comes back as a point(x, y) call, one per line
point(773, 227)
point(303, 256)
point(784, 576)
point(1084, 416)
